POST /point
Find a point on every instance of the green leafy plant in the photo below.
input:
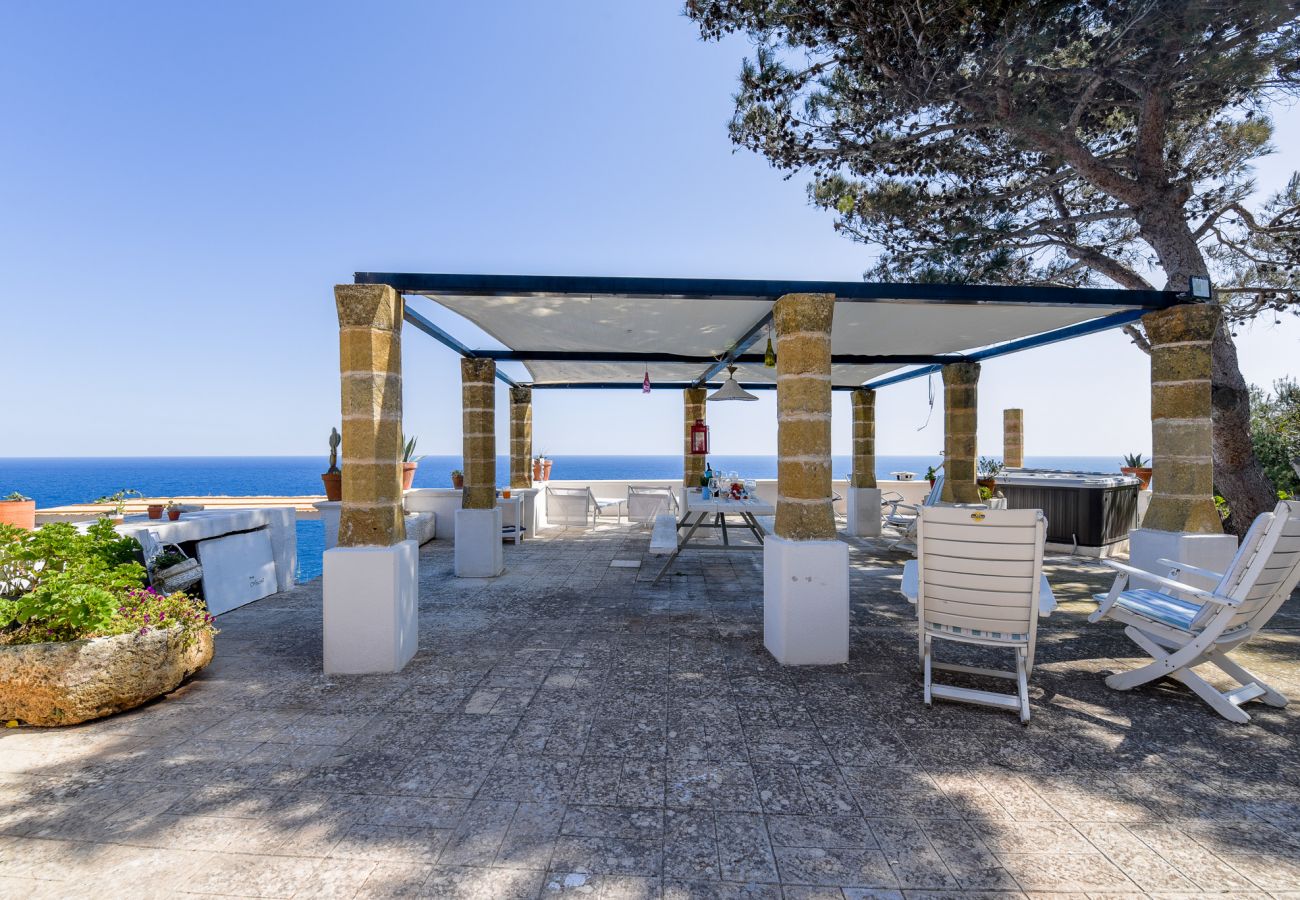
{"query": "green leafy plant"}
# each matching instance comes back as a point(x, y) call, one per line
point(986, 493)
point(119, 499)
point(167, 559)
point(16, 497)
point(989, 467)
point(931, 473)
point(145, 610)
point(408, 450)
point(457, 473)
point(1135, 461)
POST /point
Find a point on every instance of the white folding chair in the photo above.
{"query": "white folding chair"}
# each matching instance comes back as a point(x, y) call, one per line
point(1180, 634)
point(645, 502)
point(980, 575)
point(568, 506)
point(905, 522)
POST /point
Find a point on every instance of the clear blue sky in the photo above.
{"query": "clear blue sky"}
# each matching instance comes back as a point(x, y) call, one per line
point(185, 182)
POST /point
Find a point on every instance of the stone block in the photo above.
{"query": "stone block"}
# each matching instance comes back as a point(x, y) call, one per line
point(804, 437)
point(369, 305)
point(1189, 515)
point(803, 312)
point(1185, 478)
point(377, 526)
point(802, 395)
point(369, 350)
point(372, 482)
point(1182, 323)
point(1185, 400)
point(377, 395)
point(805, 521)
point(804, 480)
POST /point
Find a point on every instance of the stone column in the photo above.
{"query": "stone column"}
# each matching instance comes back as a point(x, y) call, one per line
point(478, 551)
point(521, 437)
point(805, 565)
point(693, 407)
point(1181, 523)
point(960, 401)
point(369, 580)
point(862, 500)
point(1013, 438)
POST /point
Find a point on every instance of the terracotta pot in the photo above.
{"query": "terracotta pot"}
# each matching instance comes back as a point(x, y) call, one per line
point(546, 470)
point(21, 513)
point(458, 481)
point(990, 483)
point(537, 470)
point(1142, 473)
point(155, 510)
point(173, 514)
point(408, 474)
point(333, 482)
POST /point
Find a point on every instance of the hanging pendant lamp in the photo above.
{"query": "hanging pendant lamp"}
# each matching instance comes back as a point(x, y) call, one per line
point(769, 357)
point(645, 383)
point(731, 389)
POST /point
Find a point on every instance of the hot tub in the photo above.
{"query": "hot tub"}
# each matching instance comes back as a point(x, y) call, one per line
point(1087, 512)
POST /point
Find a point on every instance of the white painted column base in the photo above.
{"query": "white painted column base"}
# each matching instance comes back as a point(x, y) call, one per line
point(478, 551)
point(371, 605)
point(863, 507)
point(806, 601)
point(330, 513)
point(1209, 551)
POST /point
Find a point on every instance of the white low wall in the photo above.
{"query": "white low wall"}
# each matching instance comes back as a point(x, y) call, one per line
point(911, 491)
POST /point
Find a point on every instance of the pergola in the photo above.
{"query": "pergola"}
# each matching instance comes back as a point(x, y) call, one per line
point(603, 333)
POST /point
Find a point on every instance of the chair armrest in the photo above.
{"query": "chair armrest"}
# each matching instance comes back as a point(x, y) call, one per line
point(1171, 584)
point(1175, 565)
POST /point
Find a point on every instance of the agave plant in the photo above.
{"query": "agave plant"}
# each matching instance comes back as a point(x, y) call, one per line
point(408, 450)
point(1135, 461)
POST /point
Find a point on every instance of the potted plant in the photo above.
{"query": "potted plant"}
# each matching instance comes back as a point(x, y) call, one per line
point(537, 468)
point(457, 479)
point(174, 510)
point(410, 462)
point(81, 637)
point(333, 477)
point(931, 474)
point(18, 510)
point(987, 471)
point(547, 462)
point(1137, 465)
point(173, 571)
point(118, 502)
point(155, 510)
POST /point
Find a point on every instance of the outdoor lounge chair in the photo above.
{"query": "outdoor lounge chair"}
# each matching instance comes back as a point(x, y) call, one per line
point(644, 503)
point(578, 506)
point(905, 522)
point(980, 581)
point(1180, 634)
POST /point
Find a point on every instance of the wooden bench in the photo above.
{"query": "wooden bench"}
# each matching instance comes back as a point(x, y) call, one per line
point(663, 540)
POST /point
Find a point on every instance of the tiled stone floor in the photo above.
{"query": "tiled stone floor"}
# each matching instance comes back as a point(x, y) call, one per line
point(568, 729)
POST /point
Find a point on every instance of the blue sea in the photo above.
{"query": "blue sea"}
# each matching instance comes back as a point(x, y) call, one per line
point(59, 481)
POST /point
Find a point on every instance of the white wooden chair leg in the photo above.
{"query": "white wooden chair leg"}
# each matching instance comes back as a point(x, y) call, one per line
point(1022, 683)
point(1158, 668)
point(1243, 677)
point(928, 653)
point(1217, 700)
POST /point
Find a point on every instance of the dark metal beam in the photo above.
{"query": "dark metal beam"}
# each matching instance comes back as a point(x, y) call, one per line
point(433, 331)
point(629, 385)
point(746, 340)
point(848, 359)
point(763, 290)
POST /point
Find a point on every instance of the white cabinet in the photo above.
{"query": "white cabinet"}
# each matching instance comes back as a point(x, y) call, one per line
point(237, 569)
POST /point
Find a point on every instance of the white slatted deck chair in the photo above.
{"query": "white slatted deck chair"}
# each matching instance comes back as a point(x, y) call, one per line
point(644, 503)
point(1180, 634)
point(980, 579)
point(905, 522)
point(579, 506)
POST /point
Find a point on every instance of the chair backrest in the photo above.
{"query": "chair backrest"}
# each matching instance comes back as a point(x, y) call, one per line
point(1265, 570)
point(936, 492)
point(568, 506)
point(644, 502)
point(150, 544)
point(980, 571)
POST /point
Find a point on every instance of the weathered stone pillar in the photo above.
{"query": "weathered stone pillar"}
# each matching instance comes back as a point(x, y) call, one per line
point(960, 402)
point(805, 565)
point(1181, 522)
point(693, 407)
point(862, 499)
point(803, 416)
point(864, 438)
point(521, 437)
point(478, 432)
point(1013, 438)
point(478, 552)
point(1182, 464)
point(370, 366)
point(369, 584)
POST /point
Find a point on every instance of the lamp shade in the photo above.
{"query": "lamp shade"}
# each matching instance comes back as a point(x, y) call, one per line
point(731, 389)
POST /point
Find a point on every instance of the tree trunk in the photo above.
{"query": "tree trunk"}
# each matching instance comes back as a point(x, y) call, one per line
point(1238, 476)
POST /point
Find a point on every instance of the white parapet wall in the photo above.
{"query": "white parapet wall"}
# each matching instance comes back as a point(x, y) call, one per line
point(1206, 551)
point(371, 608)
point(478, 552)
point(806, 601)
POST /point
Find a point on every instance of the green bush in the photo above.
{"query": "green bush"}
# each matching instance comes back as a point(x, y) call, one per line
point(1275, 433)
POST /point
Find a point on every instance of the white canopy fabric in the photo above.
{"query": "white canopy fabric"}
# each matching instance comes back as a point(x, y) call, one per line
point(711, 326)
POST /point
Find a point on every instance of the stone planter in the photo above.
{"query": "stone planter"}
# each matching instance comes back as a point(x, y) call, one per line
point(76, 681)
point(21, 513)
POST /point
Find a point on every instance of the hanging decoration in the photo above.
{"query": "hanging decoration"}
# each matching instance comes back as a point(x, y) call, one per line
point(769, 356)
point(731, 389)
point(645, 382)
point(699, 438)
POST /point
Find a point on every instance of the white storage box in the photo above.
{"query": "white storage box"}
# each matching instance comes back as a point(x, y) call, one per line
point(237, 569)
